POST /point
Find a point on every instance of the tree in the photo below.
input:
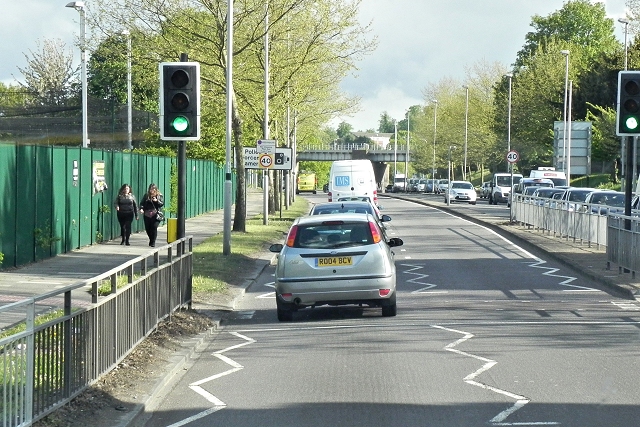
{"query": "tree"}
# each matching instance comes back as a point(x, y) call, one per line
point(580, 23)
point(344, 130)
point(314, 44)
point(386, 124)
point(49, 75)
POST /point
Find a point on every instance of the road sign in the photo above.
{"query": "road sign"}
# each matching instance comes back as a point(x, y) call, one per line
point(513, 156)
point(282, 159)
point(265, 161)
point(266, 146)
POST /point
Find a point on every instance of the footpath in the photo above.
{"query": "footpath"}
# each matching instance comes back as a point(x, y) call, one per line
point(90, 261)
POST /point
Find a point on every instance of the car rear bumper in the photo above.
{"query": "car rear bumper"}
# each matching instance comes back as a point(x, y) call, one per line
point(334, 291)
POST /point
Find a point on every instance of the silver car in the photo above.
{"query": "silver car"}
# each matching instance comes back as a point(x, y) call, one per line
point(337, 259)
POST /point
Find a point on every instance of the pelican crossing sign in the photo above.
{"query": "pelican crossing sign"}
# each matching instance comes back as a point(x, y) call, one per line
point(281, 158)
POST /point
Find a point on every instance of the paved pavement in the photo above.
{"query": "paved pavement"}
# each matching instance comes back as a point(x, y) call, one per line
point(90, 261)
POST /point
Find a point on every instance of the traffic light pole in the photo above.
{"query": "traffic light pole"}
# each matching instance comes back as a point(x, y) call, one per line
point(628, 182)
point(182, 177)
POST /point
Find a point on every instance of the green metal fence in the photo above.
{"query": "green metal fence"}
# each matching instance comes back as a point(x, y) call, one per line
point(50, 206)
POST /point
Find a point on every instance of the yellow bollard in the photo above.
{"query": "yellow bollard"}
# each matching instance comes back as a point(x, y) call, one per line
point(172, 229)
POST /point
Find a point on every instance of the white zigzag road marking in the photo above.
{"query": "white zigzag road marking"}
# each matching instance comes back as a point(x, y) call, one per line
point(268, 295)
point(195, 386)
point(417, 279)
point(471, 379)
point(537, 263)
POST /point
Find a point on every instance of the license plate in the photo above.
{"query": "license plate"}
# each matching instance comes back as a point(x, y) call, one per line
point(334, 261)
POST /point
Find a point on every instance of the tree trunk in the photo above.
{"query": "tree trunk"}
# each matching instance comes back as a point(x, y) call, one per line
point(240, 216)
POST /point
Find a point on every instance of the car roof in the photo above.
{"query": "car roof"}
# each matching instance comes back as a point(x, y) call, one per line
point(343, 204)
point(320, 219)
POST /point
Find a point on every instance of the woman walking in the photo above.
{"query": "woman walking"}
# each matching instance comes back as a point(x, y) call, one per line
point(126, 209)
point(151, 204)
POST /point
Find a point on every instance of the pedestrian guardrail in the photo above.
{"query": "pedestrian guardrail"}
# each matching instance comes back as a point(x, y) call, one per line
point(584, 223)
point(55, 345)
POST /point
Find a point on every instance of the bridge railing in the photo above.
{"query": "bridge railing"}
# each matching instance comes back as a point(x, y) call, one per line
point(349, 147)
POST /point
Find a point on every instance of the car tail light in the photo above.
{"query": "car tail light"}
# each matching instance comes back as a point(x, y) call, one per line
point(292, 236)
point(384, 292)
point(375, 232)
point(287, 296)
point(330, 196)
point(375, 196)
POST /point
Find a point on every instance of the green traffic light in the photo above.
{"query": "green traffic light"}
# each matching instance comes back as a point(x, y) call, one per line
point(180, 124)
point(631, 123)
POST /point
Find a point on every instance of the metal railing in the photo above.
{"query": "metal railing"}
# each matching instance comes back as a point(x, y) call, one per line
point(57, 344)
point(584, 223)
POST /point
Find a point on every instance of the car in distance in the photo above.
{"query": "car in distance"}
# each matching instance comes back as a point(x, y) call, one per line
point(461, 191)
point(361, 207)
point(338, 259)
point(485, 190)
point(603, 202)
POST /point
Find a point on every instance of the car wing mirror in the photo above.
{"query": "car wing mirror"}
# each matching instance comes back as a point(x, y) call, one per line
point(276, 247)
point(395, 241)
point(385, 218)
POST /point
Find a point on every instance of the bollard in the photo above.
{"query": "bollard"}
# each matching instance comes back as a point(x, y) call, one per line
point(172, 229)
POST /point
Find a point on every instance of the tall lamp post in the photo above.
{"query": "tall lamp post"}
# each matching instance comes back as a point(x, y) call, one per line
point(448, 196)
point(129, 99)
point(435, 122)
point(79, 6)
point(406, 158)
point(509, 165)
point(564, 131)
point(466, 131)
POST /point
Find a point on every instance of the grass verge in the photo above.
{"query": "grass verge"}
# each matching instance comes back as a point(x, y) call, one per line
point(213, 272)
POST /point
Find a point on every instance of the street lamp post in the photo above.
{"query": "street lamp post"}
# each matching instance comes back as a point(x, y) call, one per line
point(626, 25)
point(406, 158)
point(451, 147)
point(435, 122)
point(564, 131)
point(509, 164)
point(129, 98)
point(466, 131)
point(79, 6)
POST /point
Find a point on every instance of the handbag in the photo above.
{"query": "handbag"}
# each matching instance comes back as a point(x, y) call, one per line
point(159, 216)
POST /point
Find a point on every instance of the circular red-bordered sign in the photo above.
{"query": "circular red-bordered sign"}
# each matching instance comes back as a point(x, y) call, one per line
point(513, 156)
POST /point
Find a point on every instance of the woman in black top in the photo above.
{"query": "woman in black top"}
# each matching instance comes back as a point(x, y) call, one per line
point(152, 202)
point(126, 209)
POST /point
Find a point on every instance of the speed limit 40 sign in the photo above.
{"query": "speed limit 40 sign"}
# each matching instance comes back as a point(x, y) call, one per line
point(265, 160)
point(513, 156)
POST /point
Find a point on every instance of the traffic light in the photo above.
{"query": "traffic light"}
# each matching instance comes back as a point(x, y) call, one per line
point(628, 112)
point(179, 101)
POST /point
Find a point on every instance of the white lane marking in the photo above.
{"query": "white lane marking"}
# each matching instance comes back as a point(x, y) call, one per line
point(418, 279)
point(628, 306)
point(195, 386)
point(268, 295)
point(471, 379)
point(538, 262)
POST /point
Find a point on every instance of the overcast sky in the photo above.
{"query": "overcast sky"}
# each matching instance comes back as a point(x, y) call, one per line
point(420, 42)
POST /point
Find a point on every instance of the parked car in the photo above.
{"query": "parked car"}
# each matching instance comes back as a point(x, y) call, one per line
point(485, 190)
point(573, 198)
point(543, 193)
point(443, 184)
point(338, 259)
point(461, 191)
point(430, 185)
point(604, 202)
point(421, 186)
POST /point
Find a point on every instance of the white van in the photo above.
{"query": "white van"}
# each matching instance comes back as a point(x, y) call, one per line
point(558, 178)
point(352, 178)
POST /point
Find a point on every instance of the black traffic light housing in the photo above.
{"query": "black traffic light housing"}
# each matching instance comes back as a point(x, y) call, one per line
point(628, 111)
point(179, 101)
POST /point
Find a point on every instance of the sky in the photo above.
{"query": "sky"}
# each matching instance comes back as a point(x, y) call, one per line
point(420, 42)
